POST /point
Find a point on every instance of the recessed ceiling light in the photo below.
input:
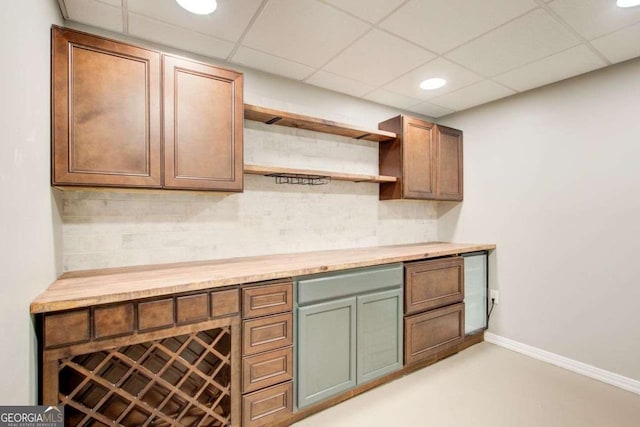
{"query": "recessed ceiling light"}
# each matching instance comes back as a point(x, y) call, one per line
point(628, 3)
point(199, 7)
point(431, 84)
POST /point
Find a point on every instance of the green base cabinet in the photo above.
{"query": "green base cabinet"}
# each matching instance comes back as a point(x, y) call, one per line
point(379, 334)
point(326, 350)
point(349, 330)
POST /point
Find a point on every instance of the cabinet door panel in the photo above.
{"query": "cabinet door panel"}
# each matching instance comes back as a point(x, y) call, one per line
point(449, 148)
point(419, 174)
point(106, 112)
point(203, 123)
point(379, 334)
point(326, 350)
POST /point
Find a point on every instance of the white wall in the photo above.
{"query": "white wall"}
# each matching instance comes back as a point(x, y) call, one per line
point(109, 229)
point(552, 177)
point(29, 217)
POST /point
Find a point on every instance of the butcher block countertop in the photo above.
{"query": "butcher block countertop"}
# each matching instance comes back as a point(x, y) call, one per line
point(92, 287)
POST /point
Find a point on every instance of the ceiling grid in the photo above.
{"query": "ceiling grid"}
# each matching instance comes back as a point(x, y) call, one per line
point(380, 50)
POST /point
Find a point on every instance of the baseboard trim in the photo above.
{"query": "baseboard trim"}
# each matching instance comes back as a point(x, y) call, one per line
point(590, 371)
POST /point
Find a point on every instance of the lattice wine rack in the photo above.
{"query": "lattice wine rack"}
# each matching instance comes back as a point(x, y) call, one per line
point(176, 381)
point(180, 376)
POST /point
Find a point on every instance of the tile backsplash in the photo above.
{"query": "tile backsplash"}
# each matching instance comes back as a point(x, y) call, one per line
point(114, 228)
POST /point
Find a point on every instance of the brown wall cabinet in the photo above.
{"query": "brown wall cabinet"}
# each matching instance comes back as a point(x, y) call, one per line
point(426, 158)
point(107, 111)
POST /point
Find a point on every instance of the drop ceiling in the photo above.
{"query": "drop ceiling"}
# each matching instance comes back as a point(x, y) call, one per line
point(381, 50)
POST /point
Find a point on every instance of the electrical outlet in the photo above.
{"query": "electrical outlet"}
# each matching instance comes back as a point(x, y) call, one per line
point(494, 295)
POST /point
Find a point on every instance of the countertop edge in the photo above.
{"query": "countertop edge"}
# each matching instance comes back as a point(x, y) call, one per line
point(53, 299)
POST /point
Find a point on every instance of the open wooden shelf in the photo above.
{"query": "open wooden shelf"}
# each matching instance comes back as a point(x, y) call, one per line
point(336, 176)
point(283, 118)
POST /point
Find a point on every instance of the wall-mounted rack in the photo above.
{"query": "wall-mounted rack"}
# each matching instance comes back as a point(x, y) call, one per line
point(283, 118)
point(335, 176)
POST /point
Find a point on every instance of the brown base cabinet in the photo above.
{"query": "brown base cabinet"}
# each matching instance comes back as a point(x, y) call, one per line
point(148, 362)
point(267, 353)
point(434, 312)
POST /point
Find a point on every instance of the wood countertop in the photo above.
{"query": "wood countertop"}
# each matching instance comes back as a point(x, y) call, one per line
point(91, 287)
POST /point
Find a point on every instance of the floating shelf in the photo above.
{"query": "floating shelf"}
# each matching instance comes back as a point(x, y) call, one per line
point(335, 176)
point(282, 118)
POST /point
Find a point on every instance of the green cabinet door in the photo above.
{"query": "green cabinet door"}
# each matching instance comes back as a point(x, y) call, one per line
point(379, 334)
point(326, 350)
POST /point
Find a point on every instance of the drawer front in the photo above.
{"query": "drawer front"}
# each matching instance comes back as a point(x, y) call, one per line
point(428, 333)
point(67, 328)
point(433, 284)
point(267, 299)
point(114, 320)
point(225, 303)
point(266, 369)
point(268, 406)
point(267, 333)
point(350, 282)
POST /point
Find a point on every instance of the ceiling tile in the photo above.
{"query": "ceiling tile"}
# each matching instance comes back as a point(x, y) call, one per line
point(593, 18)
point(271, 64)
point(476, 94)
point(339, 83)
point(304, 31)
point(370, 10)
point(95, 13)
point(146, 28)
point(621, 45)
point(524, 40)
point(572, 62)
point(430, 110)
point(377, 58)
point(228, 22)
point(382, 96)
point(456, 77)
point(441, 25)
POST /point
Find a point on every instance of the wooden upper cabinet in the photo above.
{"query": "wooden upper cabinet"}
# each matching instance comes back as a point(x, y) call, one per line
point(106, 112)
point(449, 163)
point(203, 126)
point(418, 173)
point(427, 159)
point(108, 99)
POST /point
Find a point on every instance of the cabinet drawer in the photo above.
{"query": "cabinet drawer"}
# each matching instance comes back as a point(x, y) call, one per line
point(433, 284)
point(268, 406)
point(267, 333)
point(267, 369)
point(339, 284)
point(428, 333)
point(267, 299)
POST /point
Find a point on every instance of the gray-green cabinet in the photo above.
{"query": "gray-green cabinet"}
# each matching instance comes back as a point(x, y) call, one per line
point(349, 330)
point(326, 350)
point(379, 333)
